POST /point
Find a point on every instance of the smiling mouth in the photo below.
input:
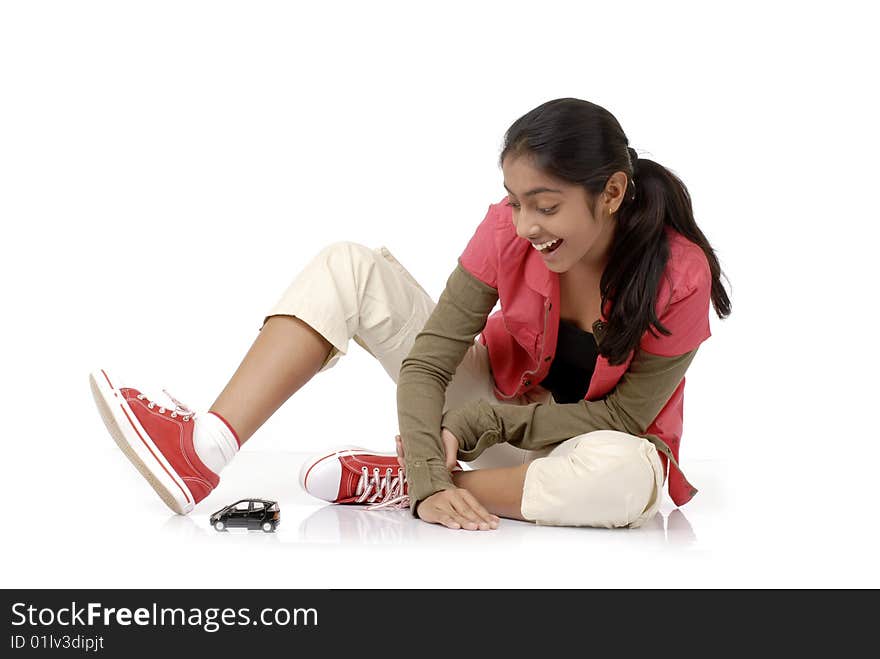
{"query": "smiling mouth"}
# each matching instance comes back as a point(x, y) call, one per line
point(552, 247)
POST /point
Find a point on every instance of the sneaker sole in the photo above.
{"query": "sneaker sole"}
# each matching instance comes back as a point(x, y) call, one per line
point(137, 446)
point(348, 450)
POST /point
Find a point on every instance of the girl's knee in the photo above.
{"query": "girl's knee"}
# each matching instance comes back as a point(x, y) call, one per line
point(607, 479)
point(346, 263)
point(347, 251)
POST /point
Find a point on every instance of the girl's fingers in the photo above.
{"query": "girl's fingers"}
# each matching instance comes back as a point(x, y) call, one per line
point(449, 518)
point(398, 444)
point(453, 509)
point(479, 509)
point(463, 522)
point(448, 522)
point(466, 516)
point(464, 510)
point(450, 448)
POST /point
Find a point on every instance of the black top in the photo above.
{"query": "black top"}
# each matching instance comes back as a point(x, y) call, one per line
point(573, 364)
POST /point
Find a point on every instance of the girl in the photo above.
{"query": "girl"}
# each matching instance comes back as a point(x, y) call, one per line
point(568, 408)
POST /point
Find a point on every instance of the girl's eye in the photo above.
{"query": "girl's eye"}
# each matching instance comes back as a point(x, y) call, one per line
point(546, 211)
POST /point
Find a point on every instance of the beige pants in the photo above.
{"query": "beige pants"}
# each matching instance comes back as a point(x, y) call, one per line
point(351, 292)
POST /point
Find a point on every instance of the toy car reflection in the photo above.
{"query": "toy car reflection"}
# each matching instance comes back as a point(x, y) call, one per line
point(248, 514)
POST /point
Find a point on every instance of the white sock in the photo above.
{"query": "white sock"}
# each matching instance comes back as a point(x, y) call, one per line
point(215, 442)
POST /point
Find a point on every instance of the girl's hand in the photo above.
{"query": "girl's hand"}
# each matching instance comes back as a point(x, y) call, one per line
point(450, 446)
point(457, 508)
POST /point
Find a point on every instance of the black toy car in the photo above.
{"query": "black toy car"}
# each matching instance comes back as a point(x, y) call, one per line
point(248, 514)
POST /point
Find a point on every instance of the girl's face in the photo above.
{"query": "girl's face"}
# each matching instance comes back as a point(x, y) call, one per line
point(546, 209)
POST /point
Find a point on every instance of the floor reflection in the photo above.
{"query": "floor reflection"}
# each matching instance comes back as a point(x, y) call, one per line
point(342, 524)
point(189, 528)
point(346, 524)
point(678, 529)
point(350, 524)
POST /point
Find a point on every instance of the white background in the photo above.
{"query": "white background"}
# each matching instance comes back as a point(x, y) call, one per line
point(167, 167)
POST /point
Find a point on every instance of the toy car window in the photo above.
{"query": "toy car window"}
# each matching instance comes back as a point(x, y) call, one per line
point(273, 508)
point(243, 505)
point(258, 505)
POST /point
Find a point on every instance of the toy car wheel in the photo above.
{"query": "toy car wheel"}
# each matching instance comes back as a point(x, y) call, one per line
point(267, 527)
point(220, 526)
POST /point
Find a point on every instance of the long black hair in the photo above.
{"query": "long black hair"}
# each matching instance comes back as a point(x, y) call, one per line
point(582, 143)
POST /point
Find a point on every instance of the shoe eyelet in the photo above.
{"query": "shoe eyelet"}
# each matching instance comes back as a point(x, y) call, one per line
point(151, 405)
point(174, 415)
point(161, 410)
point(186, 418)
point(140, 396)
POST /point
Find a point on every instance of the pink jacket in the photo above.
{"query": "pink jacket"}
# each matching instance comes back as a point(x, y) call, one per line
point(521, 337)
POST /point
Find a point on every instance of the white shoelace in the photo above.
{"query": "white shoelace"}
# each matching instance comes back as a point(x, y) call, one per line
point(179, 408)
point(382, 492)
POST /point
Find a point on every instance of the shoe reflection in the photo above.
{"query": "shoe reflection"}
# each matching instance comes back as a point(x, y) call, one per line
point(672, 528)
point(678, 529)
point(335, 524)
point(184, 527)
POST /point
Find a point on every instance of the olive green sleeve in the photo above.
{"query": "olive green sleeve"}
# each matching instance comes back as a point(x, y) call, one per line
point(426, 372)
point(630, 407)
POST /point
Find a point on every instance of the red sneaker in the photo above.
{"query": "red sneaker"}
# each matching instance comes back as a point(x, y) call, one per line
point(356, 475)
point(158, 442)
